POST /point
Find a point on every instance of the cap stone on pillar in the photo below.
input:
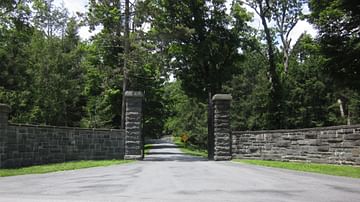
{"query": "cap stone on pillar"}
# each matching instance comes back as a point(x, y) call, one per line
point(222, 97)
point(134, 94)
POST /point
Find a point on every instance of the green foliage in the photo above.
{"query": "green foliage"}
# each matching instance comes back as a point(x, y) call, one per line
point(42, 75)
point(304, 108)
point(338, 24)
point(101, 90)
point(301, 107)
point(201, 41)
point(49, 76)
point(187, 115)
point(146, 75)
point(250, 91)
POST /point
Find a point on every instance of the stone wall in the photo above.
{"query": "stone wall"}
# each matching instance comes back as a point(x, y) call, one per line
point(133, 125)
point(222, 130)
point(24, 145)
point(334, 145)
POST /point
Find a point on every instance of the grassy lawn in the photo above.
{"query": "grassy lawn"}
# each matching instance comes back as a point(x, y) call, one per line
point(339, 170)
point(59, 167)
point(190, 149)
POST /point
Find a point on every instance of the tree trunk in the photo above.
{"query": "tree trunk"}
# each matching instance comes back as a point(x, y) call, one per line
point(286, 58)
point(275, 99)
point(126, 49)
point(341, 107)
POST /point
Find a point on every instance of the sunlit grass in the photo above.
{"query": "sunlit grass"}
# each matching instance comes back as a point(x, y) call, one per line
point(329, 169)
point(73, 165)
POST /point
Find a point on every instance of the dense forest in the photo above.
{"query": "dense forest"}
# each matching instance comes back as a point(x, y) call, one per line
point(180, 53)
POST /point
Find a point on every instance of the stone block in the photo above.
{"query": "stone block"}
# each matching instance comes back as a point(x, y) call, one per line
point(222, 158)
point(130, 151)
point(222, 141)
point(346, 144)
point(320, 160)
point(282, 144)
point(271, 157)
point(303, 142)
point(323, 148)
point(357, 143)
point(355, 136)
point(355, 152)
point(253, 149)
point(314, 156)
point(222, 148)
point(328, 135)
point(294, 157)
point(133, 119)
point(315, 142)
point(291, 136)
point(345, 131)
point(335, 140)
point(311, 135)
point(222, 126)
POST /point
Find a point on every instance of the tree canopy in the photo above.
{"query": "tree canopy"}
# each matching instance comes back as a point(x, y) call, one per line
point(49, 75)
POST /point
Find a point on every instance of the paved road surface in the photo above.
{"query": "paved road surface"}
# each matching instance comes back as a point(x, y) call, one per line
point(168, 175)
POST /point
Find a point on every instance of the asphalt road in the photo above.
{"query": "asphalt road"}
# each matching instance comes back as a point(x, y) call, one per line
point(168, 175)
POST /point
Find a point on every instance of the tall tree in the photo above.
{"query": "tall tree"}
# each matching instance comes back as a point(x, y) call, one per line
point(55, 66)
point(263, 9)
point(106, 61)
point(286, 14)
point(338, 22)
point(201, 43)
point(15, 35)
point(303, 107)
point(126, 57)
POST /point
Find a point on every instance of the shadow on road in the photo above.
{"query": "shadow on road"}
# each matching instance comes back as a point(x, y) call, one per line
point(162, 146)
point(164, 153)
point(165, 150)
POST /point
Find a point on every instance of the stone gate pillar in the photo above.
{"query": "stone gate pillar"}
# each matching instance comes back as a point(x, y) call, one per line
point(4, 115)
point(222, 130)
point(133, 125)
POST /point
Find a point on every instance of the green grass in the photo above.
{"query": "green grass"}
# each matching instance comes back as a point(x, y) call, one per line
point(59, 167)
point(147, 148)
point(338, 170)
point(190, 149)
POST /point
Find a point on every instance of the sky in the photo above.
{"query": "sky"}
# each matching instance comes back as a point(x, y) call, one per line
point(81, 6)
point(74, 6)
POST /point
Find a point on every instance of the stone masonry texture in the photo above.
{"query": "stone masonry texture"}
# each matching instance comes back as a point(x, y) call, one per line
point(222, 131)
point(133, 125)
point(25, 145)
point(333, 145)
